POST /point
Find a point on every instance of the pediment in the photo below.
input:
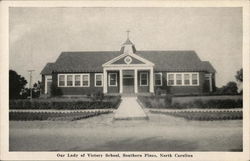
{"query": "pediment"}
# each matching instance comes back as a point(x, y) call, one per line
point(128, 59)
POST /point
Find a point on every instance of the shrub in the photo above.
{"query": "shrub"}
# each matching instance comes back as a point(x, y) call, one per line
point(66, 104)
point(71, 116)
point(155, 102)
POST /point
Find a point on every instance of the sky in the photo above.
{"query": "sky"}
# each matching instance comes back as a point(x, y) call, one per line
point(39, 35)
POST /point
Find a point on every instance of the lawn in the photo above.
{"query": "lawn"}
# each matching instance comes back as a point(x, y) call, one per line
point(102, 133)
point(205, 115)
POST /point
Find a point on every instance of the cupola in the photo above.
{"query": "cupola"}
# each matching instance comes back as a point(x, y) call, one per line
point(128, 47)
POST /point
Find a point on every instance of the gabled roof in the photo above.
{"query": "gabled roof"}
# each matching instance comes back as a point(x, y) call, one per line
point(90, 61)
point(47, 69)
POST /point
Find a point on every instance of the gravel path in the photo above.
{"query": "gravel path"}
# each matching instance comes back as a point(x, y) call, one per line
point(102, 133)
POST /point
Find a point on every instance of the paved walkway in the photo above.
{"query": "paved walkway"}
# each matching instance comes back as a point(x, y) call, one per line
point(130, 109)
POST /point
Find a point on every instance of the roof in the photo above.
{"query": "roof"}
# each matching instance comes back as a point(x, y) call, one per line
point(91, 61)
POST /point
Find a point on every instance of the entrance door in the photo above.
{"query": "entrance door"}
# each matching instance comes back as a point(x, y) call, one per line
point(128, 81)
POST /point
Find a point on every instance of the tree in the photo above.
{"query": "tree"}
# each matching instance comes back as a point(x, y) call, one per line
point(16, 84)
point(229, 88)
point(239, 75)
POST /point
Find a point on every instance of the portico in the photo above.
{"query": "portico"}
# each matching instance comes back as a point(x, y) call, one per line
point(129, 79)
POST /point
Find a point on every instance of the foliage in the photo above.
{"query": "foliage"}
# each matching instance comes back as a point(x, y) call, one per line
point(54, 116)
point(206, 116)
point(230, 88)
point(64, 104)
point(156, 102)
point(16, 84)
point(239, 75)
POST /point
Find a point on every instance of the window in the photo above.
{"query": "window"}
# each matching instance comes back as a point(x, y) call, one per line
point(158, 79)
point(170, 79)
point(178, 79)
point(194, 79)
point(77, 80)
point(61, 80)
point(143, 79)
point(69, 80)
point(186, 79)
point(73, 80)
point(183, 79)
point(112, 79)
point(98, 80)
point(85, 80)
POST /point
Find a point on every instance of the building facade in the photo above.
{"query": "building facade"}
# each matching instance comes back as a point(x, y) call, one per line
point(129, 72)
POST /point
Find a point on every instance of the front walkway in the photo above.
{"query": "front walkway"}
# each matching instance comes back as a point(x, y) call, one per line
point(129, 109)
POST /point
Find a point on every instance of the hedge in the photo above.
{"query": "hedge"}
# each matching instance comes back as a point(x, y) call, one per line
point(206, 116)
point(53, 116)
point(65, 104)
point(156, 102)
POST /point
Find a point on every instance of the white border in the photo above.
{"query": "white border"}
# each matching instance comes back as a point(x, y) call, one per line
point(4, 66)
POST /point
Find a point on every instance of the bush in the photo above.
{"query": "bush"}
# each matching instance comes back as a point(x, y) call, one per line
point(206, 116)
point(111, 102)
point(156, 102)
point(71, 116)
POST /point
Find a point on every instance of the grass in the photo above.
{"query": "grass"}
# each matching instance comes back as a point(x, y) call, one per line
point(54, 116)
point(206, 116)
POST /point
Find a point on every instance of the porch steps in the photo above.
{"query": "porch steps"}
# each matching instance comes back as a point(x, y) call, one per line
point(130, 109)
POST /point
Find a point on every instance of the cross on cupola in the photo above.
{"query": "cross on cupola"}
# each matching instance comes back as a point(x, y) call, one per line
point(128, 47)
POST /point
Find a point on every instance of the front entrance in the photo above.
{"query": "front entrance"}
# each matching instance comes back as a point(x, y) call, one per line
point(128, 81)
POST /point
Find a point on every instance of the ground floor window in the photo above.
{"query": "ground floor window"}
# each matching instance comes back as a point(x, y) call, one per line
point(143, 79)
point(194, 79)
point(186, 79)
point(85, 80)
point(158, 79)
point(183, 79)
point(98, 80)
point(77, 80)
point(69, 80)
point(73, 80)
point(61, 80)
point(178, 79)
point(112, 79)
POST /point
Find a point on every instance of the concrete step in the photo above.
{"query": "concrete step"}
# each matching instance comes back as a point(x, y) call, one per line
point(130, 109)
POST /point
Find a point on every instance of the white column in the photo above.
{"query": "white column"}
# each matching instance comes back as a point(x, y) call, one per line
point(210, 83)
point(105, 82)
point(151, 81)
point(121, 81)
point(136, 81)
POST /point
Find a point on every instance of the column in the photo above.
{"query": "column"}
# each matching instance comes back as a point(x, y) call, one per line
point(136, 81)
point(121, 81)
point(151, 81)
point(210, 83)
point(105, 90)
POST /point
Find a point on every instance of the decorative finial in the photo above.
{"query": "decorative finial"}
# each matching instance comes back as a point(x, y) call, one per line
point(128, 33)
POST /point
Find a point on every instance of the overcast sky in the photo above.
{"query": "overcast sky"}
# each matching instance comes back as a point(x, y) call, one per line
point(39, 35)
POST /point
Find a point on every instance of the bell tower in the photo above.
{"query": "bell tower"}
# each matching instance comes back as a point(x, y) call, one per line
point(128, 47)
